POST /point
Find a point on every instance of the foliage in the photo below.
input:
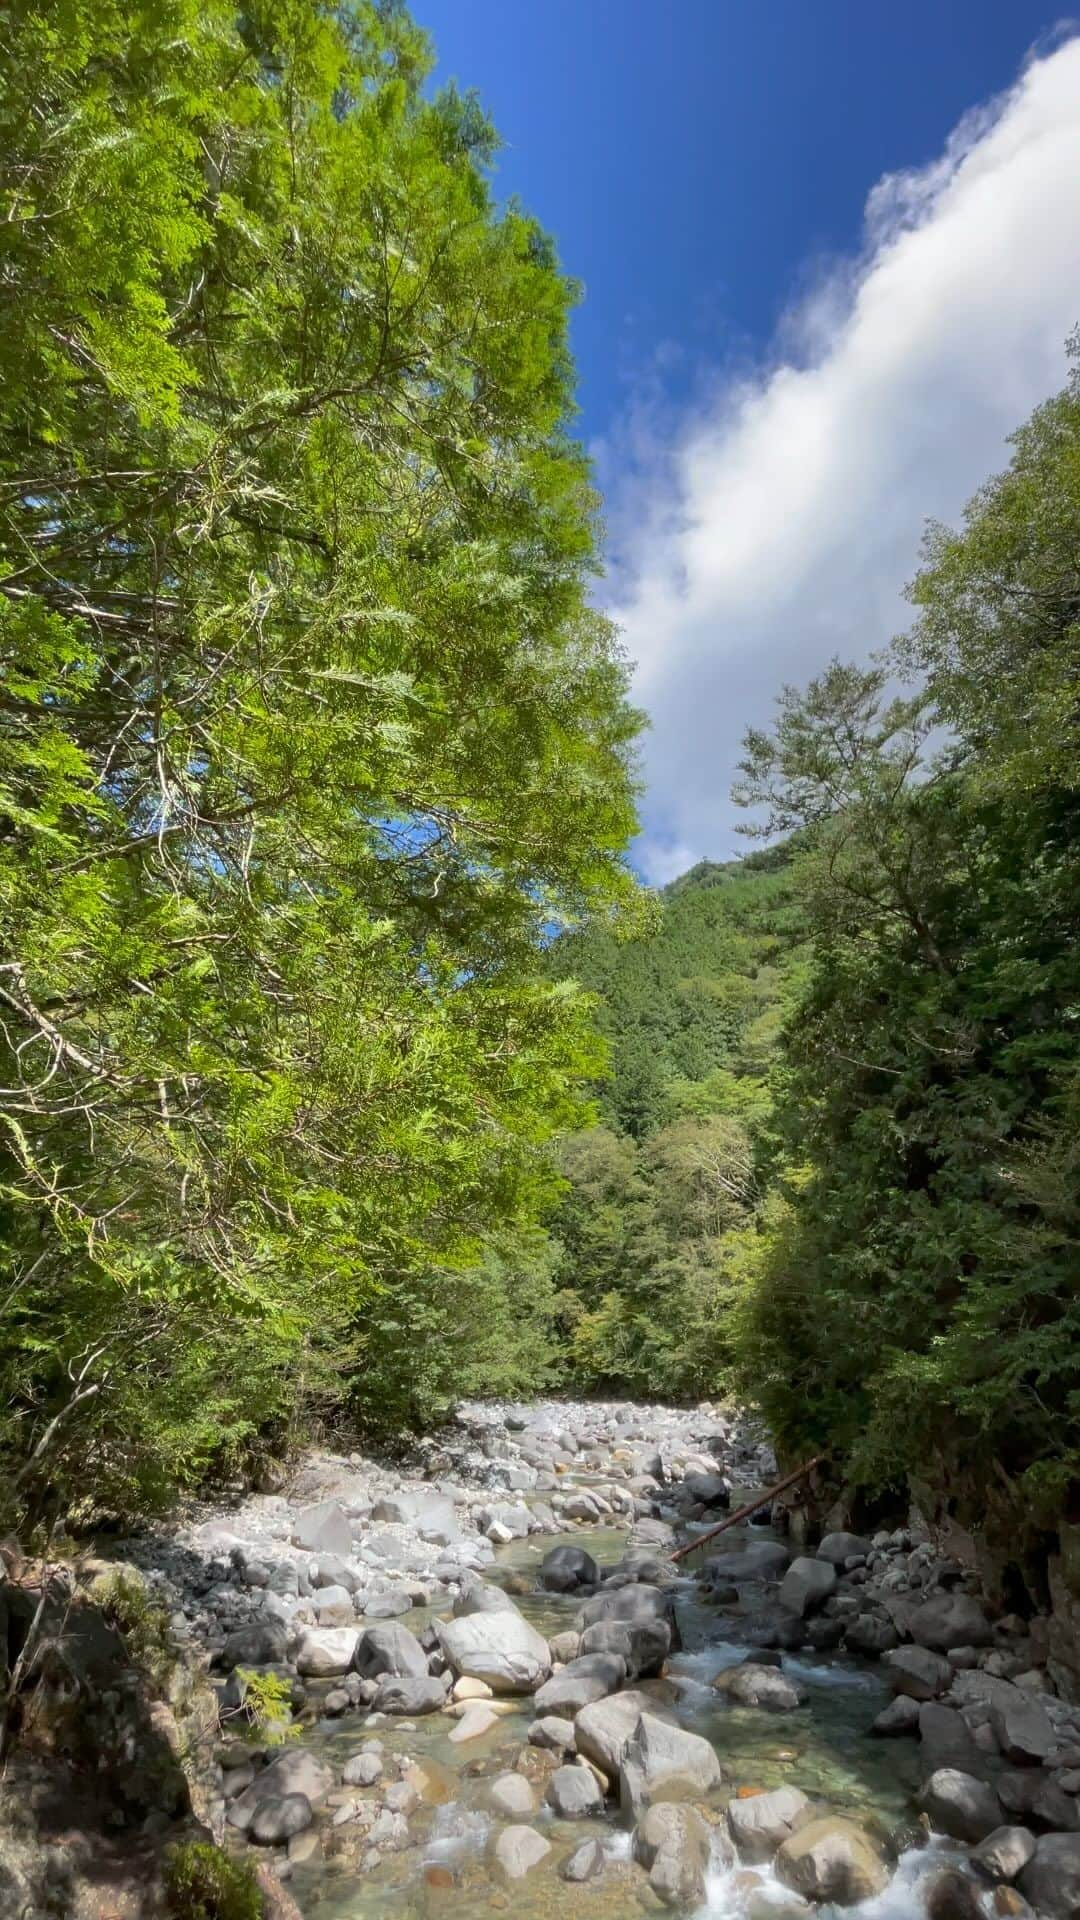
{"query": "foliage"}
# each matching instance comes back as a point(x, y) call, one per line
point(268, 1705)
point(202, 1883)
point(308, 734)
point(916, 1305)
point(650, 1232)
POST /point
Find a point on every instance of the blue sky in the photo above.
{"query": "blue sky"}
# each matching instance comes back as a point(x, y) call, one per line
point(791, 218)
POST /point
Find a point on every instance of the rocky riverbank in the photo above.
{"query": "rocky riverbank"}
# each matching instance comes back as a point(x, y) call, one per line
point(479, 1678)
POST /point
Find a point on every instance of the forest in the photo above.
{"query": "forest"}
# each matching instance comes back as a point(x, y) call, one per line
point(347, 1067)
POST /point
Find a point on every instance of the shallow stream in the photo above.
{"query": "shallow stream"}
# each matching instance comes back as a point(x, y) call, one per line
point(820, 1747)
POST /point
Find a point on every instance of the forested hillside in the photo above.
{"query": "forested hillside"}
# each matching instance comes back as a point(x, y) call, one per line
point(653, 1232)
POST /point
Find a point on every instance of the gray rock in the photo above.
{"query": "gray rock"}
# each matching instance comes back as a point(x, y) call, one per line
point(278, 1818)
point(631, 1603)
point(479, 1597)
point(947, 1740)
point(511, 1796)
point(387, 1606)
point(517, 1850)
point(870, 1634)
point(331, 1570)
point(900, 1716)
point(261, 1644)
point(601, 1731)
point(1004, 1853)
point(918, 1672)
point(389, 1649)
point(323, 1529)
point(761, 1824)
point(566, 1568)
point(960, 1805)
point(754, 1684)
point(841, 1547)
point(409, 1693)
point(501, 1648)
point(333, 1600)
point(1023, 1729)
point(326, 1651)
point(363, 1769)
point(297, 1770)
point(832, 1859)
point(643, 1645)
point(1051, 1879)
point(672, 1844)
point(574, 1792)
point(949, 1620)
point(807, 1585)
point(552, 1732)
point(585, 1863)
point(428, 1514)
point(590, 1677)
point(759, 1560)
point(662, 1759)
point(708, 1489)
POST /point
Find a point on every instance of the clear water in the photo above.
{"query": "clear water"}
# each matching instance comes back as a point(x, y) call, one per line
point(822, 1748)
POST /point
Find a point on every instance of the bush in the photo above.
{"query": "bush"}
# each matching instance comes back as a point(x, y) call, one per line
point(201, 1883)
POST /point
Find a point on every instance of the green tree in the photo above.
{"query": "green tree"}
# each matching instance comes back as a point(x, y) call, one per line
point(916, 1306)
point(308, 733)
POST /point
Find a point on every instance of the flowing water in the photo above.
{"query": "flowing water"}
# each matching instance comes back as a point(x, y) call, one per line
point(821, 1747)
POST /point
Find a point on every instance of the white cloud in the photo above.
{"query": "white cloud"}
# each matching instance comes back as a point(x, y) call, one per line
point(779, 523)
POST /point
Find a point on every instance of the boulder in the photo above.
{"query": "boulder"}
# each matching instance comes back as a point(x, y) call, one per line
point(389, 1649)
point(870, 1634)
point(1004, 1854)
point(386, 1606)
point(1023, 1729)
point(517, 1850)
point(672, 1844)
point(429, 1514)
point(511, 1796)
point(900, 1716)
point(762, 1823)
point(807, 1585)
point(960, 1805)
point(278, 1817)
point(324, 1528)
point(841, 1547)
point(565, 1569)
point(601, 1731)
point(754, 1684)
point(591, 1677)
point(552, 1733)
point(499, 1647)
point(758, 1560)
point(325, 1651)
point(662, 1759)
point(918, 1672)
point(708, 1490)
point(262, 1643)
point(574, 1792)
point(476, 1720)
point(409, 1693)
point(832, 1859)
point(631, 1603)
point(585, 1863)
point(331, 1570)
point(478, 1597)
point(363, 1769)
point(946, 1738)
point(952, 1895)
point(643, 1645)
point(1051, 1879)
point(949, 1620)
